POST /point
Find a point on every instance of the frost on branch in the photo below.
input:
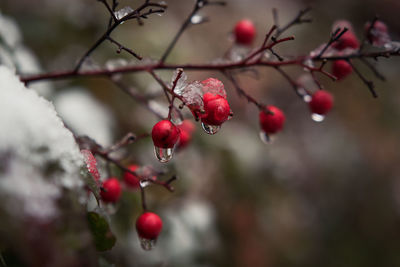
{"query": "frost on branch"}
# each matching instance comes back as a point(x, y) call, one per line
point(192, 92)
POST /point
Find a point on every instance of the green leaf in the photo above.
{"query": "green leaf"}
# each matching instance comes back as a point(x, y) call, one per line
point(104, 239)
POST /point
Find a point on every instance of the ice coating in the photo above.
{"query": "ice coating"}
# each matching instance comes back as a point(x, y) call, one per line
point(91, 163)
point(213, 86)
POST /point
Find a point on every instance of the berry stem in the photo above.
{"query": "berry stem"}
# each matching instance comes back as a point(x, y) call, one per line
point(368, 83)
point(198, 5)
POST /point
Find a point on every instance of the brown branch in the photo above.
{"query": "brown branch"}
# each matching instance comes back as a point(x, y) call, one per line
point(197, 67)
point(137, 97)
point(368, 83)
point(294, 85)
point(134, 14)
point(121, 47)
point(335, 36)
point(198, 5)
point(368, 32)
point(297, 20)
point(373, 69)
point(110, 9)
point(242, 92)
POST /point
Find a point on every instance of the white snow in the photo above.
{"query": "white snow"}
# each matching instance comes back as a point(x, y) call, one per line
point(39, 155)
point(85, 115)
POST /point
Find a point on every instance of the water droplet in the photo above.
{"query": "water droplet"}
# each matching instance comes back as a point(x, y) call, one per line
point(307, 98)
point(309, 63)
point(200, 3)
point(210, 129)
point(123, 12)
point(197, 19)
point(266, 138)
point(147, 244)
point(163, 154)
point(317, 117)
point(144, 183)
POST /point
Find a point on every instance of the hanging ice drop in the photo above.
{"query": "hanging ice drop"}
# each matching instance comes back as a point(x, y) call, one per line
point(317, 117)
point(163, 154)
point(210, 129)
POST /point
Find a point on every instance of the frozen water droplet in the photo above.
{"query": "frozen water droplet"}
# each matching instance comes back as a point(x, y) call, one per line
point(308, 63)
point(266, 138)
point(238, 53)
point(392, 45)
point(123, 12)
point(147, 244)
point(303, 93)
point(210, 129)
point(113, 64)
point(307, 98)
point(317, 117)
point(266, 55)
point(144, 183)
point(163, 154)
point(197, 19)
point(200, 3)
point(181, 83)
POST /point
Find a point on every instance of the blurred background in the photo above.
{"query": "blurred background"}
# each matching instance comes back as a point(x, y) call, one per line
point(322, 194)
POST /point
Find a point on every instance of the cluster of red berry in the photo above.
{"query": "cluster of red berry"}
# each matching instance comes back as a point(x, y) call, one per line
point(272, 118)
point(149, 224)
point(215, 110)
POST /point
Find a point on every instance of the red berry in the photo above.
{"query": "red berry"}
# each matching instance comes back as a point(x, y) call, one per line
point(111, 190)
point(378, 35)
point(130, 179)
point(321, 102)
point(341, 68)
point(347, 40)
point(165, 134)
point(245, 32)
point(378, 25)
point(272, 123)
point(149, 225)
point(186, 128)
point(216, 109)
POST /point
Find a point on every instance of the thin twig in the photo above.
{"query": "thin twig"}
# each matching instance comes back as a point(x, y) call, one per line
point(121, 47)
point(198, 5)
point(297, 20)
point(242, 92)
point(373, 69)
point(110, 10)
point(137, 97)
point(113, 8)
point(129, 138)
point(134, 14)
point(335, 36)
point(368, 32)
point(294, 85)
point(368, 83)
